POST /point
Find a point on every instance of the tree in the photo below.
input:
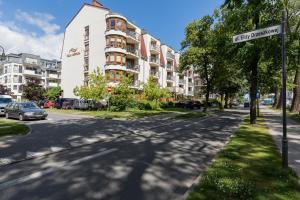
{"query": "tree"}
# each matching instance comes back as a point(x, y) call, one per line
point(33, 91)
point(244, 15)
point(53, 93)
point(4, 90)
point(153, 92)
point(197, 51)
point(122, 95)
point(96, 89)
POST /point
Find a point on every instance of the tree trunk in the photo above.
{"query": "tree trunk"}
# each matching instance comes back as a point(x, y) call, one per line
point(279, 102)
point(276, 97)
point(207, 82)
point(296, 98)
point(253, 88)
point(221, 103)
point(226, 100)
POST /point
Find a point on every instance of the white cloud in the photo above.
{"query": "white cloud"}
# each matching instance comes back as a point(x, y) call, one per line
point(41, 20)
point(16, 39)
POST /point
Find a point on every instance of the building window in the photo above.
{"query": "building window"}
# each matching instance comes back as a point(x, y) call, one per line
point(116, 24)
point(116, 42)
point(20, 79)
point(87, 33)
point(16, 79)
point(15, 87)
point(116, 59)
point(20, 69)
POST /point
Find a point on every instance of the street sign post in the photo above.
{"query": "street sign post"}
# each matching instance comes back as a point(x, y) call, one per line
point(266, 32)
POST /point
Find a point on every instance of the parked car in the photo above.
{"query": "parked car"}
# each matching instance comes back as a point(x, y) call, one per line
point(4, 101)
point(49, 104)
point(81, 104)
point(190, 104)
point(41, 103)
point(24, 111)
point(68, 104)
point(59, 102)
point(246, 105)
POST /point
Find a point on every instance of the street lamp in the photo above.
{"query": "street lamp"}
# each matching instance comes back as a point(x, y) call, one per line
point(3, 54)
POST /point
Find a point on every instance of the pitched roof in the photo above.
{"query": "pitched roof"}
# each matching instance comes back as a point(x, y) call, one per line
point(143, 48)
point(162, 59)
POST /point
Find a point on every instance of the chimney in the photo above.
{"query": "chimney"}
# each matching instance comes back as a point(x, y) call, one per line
point(97, 4)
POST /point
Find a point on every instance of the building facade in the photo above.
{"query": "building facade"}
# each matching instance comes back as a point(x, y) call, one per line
point(98, 38)
point(17, 69)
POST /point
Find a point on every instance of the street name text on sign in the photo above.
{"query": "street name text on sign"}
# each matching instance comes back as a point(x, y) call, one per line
point(274, 30)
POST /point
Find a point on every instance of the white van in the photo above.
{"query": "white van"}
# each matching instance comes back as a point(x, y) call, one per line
point(4, 101)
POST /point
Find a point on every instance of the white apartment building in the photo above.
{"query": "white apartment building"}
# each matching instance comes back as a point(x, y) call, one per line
point(17, 69)
point(97, 37)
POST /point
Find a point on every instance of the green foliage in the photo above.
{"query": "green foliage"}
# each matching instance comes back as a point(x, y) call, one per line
point(53, 93)
point(122, 95)
point(153, 92)
point(249, 167)
point(96, 89)
point(33, 91)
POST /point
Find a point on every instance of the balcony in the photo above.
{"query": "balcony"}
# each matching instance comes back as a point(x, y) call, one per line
point(169, 67)
point(133, 68)
point(154, 73)
point(170, 78)
point(109, 49)
point(154, 62)
point(132, 36)
point(115, 32)
point(191, 84)
point(190, 93)
point(154, 49)
point(32, 73)
point(53, 76)
point(181, 81)
point(170, 56)
point(86, 53)
point(180, 90)
point(132, 53)
point(51, 84)
point(172, 89)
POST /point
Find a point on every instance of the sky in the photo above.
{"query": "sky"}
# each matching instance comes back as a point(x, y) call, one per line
point(37, 26)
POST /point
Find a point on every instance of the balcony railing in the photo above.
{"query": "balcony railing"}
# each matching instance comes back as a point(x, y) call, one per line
point(53, 76)
point(170, 55)
point(133, 34)
point(154, 60)
point(32, 72)
point(181, 81)
point(154, 73)
point(134, 51)
point(191, 84)
point(191, 93)
point(154, 48)
point(170, 78)
point(172, 89)
point(133, 67)
point(169, 67)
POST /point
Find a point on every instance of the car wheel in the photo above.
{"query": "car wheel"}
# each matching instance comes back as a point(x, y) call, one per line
point(6, 116)
point(21, 117)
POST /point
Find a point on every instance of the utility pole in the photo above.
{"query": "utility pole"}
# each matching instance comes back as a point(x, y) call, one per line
point(284, 120)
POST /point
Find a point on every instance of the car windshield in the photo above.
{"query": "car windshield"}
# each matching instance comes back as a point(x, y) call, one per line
point(29, 105)
point(5, 100)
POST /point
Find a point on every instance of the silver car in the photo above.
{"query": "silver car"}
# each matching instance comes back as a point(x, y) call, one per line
point(24, 111)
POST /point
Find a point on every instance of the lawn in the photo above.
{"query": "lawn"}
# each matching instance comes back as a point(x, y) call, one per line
point(8, 127)
point(295, 116)
point(191, 115)
point(249, 167)
point(129, 114)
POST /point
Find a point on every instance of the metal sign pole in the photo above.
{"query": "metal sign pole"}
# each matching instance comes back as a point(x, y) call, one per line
point(284, 120)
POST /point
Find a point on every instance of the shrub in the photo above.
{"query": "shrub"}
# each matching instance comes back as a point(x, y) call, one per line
point(118, 103)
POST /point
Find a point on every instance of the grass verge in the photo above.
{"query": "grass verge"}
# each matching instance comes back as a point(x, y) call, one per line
point(8, 127)
point(249, 167)
point(190, 115)
point(129, 114)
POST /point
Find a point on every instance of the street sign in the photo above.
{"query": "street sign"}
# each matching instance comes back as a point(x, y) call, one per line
point(273, 30)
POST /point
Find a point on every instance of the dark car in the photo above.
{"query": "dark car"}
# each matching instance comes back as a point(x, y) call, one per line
point(197, 104)
point(68, 104)
point(185, 104)
point(81, 104)
point(24, 111)
point(59, 102)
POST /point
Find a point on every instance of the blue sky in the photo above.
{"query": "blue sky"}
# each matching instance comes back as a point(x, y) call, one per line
point(44, 20)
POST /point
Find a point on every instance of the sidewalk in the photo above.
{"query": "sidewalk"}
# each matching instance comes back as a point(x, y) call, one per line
point(274, 123)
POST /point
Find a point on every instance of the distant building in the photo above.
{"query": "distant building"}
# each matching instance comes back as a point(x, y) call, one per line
point(17, 69)
point(98, 37)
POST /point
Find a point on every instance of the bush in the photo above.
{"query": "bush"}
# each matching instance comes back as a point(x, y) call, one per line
point(149, 105)
point(118, 103)
point(170, 104)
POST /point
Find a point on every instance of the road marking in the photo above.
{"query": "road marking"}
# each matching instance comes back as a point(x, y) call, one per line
point(63, 165)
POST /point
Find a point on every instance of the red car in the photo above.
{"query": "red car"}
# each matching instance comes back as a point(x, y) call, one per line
point(49, 104)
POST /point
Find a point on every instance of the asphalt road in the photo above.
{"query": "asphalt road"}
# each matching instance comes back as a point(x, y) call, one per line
point(149, 159)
